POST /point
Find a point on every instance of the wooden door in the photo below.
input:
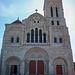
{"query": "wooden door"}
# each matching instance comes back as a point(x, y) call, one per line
point(32, 67)
point(40, 67)
point(59, 69)
point(14, 69)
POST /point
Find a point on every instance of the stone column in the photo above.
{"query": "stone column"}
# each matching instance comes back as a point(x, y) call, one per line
point(18, 69)
point(36, 65)
point(22, 68)
point(30, 37)
point(51, 70)
point(22, 37)
point(54, 12)
point(3, 69)
point(50, 33)
point(9, 69)
point(46, 67)
point(27, 67)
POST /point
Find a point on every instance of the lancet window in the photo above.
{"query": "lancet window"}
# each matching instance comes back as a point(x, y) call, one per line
point(51, 12)
point(56, 12)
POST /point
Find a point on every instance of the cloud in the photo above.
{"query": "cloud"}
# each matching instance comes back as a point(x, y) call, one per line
point(20, 7)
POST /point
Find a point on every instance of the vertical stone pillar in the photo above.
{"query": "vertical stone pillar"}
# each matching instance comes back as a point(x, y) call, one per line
point(61, 14)
point(22, 41)
point(22, 68)
point(50, 33)
point(50, 11)
point(24, 37)
point(36, 66)
point(18, 69)
point(46, 67)
point(27, 67)
point(51, 70)
point(3, 69)
point(9, 69)
point(54, 12)
point(30, 37)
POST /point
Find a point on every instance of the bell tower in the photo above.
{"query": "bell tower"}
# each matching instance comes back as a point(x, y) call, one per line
point(53, 8)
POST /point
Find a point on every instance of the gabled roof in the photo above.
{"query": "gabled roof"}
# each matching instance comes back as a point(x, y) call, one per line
point(17, 22)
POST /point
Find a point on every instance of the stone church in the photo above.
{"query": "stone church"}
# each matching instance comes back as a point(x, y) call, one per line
point(38, 44)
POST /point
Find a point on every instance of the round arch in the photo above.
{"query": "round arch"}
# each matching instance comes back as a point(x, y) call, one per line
point(36, 53)
point(13, 64)
point(36, 56)
point(60, 65)
point(13, 58)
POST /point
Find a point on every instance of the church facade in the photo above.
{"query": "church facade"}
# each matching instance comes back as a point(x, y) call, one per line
point(39, 44)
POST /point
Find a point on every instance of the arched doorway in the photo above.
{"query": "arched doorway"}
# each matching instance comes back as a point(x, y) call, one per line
point(13, 65)
point(60, 66)
point(36, 61)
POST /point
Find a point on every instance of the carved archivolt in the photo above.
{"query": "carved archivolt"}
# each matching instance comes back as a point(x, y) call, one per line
point(36, 53)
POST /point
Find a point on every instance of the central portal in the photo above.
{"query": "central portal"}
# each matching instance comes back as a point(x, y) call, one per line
point(36, 67)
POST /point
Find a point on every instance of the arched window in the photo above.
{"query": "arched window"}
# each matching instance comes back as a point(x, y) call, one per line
point(44, 37)
point(32, 36)
point(36, 35)
point(51, 12)
point(55, 40)
point(37, 21)
point(28, 38)
point(12, 40)
point(34, 21)
point(40, 36)
point(60, 40)
point(56, 12)
point(52, 22)
point(57, 22)
point(17, 40)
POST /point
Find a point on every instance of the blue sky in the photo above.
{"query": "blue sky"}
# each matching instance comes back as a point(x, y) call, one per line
point(10, 10)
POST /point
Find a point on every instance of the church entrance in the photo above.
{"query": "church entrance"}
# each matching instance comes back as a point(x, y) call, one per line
point(14, 69)
point(59, 69)
point(36, 67)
